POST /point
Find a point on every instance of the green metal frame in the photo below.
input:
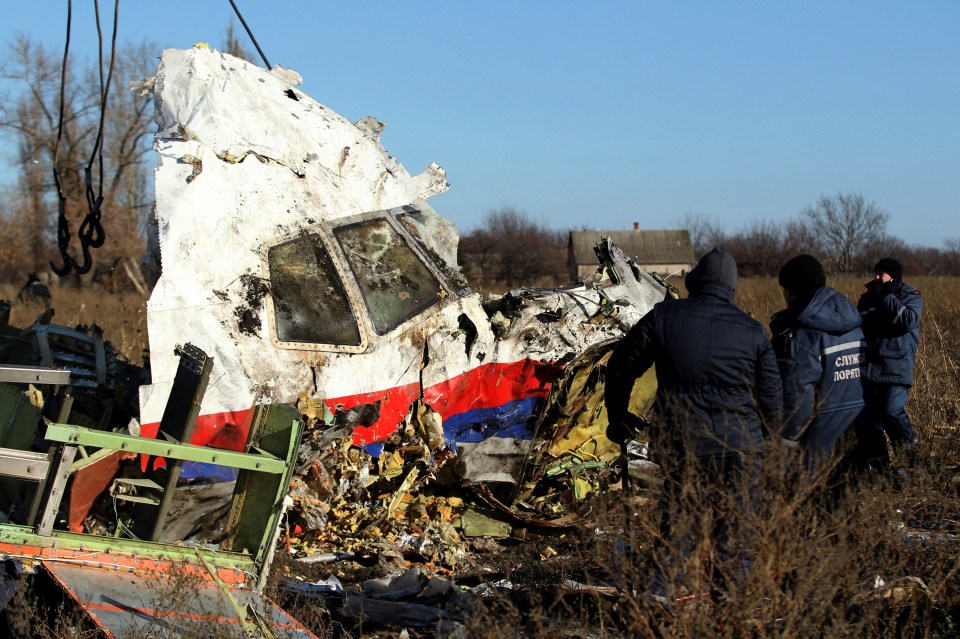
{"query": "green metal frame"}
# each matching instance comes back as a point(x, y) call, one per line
point(258, 500)
point(266, 469)
point(79, 436)
point(253, 523)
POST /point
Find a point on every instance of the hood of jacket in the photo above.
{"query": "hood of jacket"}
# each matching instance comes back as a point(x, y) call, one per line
point(715, 274)
point(830, 312)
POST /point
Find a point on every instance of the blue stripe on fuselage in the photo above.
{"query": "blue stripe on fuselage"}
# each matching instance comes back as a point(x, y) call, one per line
point(511, 419)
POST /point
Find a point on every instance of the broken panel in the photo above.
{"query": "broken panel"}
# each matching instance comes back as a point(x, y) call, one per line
point(134, 605)
point(434, 235)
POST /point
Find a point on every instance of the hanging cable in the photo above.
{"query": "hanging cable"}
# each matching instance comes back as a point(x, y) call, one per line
point(63, 225)
point(91, 231)
point(250, 33)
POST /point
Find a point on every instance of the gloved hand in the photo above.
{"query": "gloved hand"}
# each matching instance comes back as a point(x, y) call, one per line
point(874, 286)
point(617, 432)
point(889, 288)
point(623, 428)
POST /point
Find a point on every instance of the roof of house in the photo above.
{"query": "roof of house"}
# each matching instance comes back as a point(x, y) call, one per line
point(644, 247)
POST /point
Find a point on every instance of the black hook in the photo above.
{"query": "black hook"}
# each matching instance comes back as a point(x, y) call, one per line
point(63, 240)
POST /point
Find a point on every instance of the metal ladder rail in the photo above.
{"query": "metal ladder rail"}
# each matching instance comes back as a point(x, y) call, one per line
point(44, 469)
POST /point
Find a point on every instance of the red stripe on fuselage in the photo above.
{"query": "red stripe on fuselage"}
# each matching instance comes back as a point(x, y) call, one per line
point(228, 430)
point(486, 386)
point(394, 404)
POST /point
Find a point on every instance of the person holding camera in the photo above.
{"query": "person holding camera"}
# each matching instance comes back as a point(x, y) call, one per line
point(890, 309)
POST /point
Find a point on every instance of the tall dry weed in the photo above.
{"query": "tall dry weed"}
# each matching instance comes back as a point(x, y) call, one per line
point(39, 609)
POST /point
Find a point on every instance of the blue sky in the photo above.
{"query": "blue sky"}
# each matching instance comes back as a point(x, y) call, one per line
point(606, 113)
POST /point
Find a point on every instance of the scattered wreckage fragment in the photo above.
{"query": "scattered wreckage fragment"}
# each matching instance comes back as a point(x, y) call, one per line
point(332, 279)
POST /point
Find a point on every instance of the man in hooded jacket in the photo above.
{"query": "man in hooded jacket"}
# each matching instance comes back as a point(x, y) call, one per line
point(718, 395)
point(821, 352)
point(890, 310)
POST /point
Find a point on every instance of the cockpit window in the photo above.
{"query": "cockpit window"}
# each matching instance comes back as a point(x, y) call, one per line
point(309, 301)
point(395, 283)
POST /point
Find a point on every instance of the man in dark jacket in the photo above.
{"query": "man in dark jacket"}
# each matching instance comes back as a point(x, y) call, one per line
point(821, 352)
point(890, 310)
point(718, 394)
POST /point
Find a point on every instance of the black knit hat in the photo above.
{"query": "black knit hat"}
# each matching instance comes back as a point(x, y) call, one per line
point(803, 275)
point(891, 267)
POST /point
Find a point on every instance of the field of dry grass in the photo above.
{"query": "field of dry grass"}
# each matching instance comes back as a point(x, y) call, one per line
point(882, 561)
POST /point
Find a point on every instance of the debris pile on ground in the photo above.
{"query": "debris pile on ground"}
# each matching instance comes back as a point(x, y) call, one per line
point(408, 498)
point(394, 505)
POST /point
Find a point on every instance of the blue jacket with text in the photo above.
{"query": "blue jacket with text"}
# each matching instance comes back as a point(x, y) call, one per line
point(822, 355)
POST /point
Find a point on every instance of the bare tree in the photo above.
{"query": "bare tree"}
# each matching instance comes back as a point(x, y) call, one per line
point(705, 232)
point(847, 225)
point(922, 260)
point(887, 246)
point(233, 46)
point(30, 117)
point(801, 238)
point(479, 254)
point(951, 257)
point(760, 249)
point(511, 249)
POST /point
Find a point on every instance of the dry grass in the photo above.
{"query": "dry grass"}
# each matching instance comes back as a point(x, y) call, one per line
point(40, 609)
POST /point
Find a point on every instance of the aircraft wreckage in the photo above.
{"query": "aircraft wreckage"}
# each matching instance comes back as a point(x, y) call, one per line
point(302, 281)
point(306, 261)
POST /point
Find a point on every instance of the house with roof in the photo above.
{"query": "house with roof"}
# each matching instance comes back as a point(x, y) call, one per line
point(666, 253)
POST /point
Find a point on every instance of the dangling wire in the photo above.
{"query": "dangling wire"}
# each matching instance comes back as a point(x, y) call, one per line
point(91, 231)
point(250, 33)
point(63, 225)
